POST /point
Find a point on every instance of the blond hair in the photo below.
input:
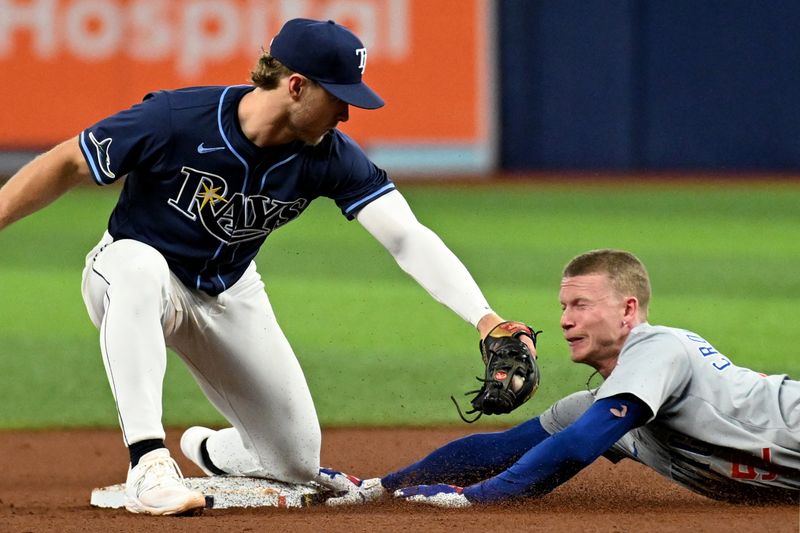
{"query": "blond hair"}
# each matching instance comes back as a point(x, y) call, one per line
point(625, 272)
point(268, 72)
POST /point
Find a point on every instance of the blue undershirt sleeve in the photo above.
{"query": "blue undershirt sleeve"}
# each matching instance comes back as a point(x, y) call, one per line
point(470, 459)
point(559, 457)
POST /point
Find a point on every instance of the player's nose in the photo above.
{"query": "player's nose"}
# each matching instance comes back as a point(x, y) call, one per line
point(344, 113)
point(566, 322)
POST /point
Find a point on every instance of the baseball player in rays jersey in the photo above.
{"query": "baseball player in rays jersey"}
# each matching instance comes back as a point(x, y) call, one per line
point(210, 173)
point(669, 400)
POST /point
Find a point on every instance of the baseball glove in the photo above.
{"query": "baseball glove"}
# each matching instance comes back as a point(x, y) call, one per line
point(512, 375)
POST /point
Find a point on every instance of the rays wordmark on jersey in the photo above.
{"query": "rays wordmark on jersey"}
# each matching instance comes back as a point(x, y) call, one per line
point(233, 219)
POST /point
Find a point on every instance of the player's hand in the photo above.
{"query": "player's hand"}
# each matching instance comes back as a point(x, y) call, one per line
point(527, 341)
point(349, 490)
point(492, 320)
point(448, 496)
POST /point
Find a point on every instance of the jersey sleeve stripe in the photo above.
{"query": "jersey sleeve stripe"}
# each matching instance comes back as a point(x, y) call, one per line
point(365, 200)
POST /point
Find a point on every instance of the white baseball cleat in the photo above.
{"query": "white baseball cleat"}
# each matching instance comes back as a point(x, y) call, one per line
point(191, 440)
point(155, 486)
point(448, 496)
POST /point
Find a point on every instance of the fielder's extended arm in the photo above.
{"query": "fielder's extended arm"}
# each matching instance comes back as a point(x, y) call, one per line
point(511, 378)
point(423, 255)
point(42, 181)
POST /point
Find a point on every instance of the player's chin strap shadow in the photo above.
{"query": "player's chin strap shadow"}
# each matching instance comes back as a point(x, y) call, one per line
point(461, 414)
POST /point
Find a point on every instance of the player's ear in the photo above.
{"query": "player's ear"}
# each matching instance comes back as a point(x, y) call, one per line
point(297, 84)
point(631, 311)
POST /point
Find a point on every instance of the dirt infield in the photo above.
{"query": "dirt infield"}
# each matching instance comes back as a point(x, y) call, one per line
point(46, 479)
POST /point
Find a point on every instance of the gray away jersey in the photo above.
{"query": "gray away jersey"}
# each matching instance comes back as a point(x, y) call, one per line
point(713, 422)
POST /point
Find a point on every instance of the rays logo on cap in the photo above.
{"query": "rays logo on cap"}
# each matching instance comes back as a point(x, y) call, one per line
point(323, 51)
point(362, 59)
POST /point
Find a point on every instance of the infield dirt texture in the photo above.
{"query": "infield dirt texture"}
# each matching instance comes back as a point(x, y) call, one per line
point(47, 478)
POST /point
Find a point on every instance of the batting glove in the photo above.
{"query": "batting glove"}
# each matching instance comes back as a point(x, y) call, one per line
point(349, 490)
point(448, 496)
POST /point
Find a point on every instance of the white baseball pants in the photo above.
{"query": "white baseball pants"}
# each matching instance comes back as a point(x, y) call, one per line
point(232, 345)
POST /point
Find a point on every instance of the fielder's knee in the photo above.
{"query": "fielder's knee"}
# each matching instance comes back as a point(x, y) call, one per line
point(137, 275)
point(302, 472)
point(137, 264)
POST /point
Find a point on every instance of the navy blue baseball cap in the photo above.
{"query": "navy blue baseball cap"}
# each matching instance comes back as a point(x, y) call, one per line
point(329, 54)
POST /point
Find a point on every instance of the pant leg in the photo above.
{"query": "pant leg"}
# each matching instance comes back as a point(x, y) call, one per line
point(241, 359)
point(126, 288)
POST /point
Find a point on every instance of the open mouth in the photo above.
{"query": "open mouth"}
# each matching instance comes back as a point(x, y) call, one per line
point(572, 341)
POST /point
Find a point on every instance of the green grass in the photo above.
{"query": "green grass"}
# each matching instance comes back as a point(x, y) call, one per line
point(376, 349)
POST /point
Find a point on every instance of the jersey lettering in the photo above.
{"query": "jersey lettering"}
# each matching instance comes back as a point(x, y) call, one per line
point(749, 472)
point(233, 219)
point(768, 476)
point(720, 363)
point(705, 351)
point(190, 191)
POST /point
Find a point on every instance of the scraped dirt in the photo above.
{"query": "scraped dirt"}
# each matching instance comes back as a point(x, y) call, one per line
point(46, 478)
